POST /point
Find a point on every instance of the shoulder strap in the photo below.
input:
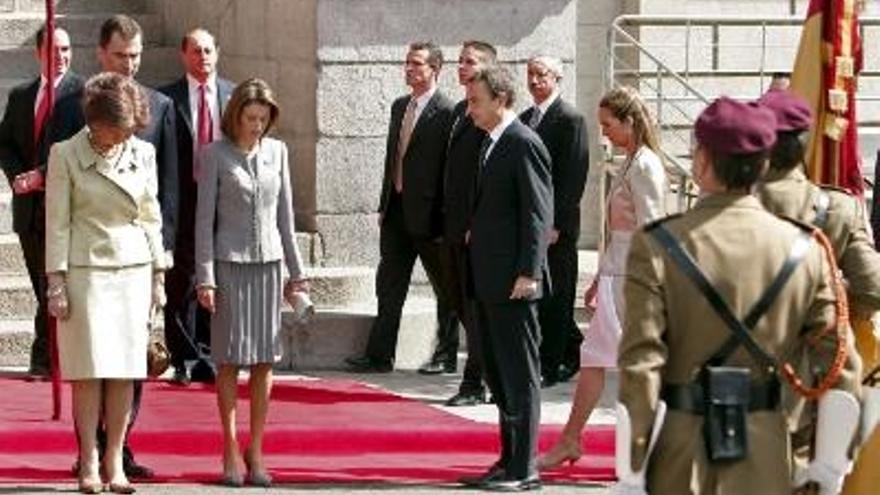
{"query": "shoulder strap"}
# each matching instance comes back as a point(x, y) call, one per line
point(739, 328)
point(821, 202)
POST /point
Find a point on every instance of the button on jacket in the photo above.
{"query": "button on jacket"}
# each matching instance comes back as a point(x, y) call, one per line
point(245, 212)
point(102, 213)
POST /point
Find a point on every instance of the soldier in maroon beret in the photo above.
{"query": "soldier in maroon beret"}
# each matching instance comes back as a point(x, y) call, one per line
point(787, 191)
point(700, 398)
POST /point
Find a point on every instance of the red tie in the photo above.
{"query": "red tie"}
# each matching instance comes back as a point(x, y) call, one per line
point(42, 113)
point(206, 129)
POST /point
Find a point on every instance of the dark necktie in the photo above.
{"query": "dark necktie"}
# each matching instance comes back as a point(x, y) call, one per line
point(42, 112)
point(535, 118)
point(205, 131)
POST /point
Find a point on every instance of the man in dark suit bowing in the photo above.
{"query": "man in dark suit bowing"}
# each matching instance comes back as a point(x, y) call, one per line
point(24, 148)
point(564, 133)
point(199, 98)
point(462, 161)
point(510, 226)
point(410, 207)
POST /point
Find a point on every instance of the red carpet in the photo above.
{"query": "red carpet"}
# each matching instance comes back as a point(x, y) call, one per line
point(326, 431)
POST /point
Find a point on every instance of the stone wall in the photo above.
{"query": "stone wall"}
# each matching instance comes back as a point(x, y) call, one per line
point(273, 40)
point(361, 46)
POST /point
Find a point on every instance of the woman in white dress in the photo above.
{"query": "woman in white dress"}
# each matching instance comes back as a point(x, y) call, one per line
point(636, 197)
point(104, 264)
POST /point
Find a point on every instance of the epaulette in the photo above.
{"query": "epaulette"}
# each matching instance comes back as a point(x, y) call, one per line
point(798, 223)
point(650, 225)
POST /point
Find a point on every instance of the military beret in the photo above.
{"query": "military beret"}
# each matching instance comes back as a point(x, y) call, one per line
point(792, 112)
point(734, 127)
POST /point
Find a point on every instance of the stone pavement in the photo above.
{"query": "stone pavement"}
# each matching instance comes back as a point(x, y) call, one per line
point(432, 390)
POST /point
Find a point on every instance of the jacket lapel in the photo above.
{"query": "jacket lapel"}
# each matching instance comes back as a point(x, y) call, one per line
point(181, 100)
point(125, 175)
point(550, 116)
point(224, 92)
point(426, 115)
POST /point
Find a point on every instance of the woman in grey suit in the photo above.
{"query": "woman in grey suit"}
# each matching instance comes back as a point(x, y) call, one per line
point(104, 264)
point(244, 230)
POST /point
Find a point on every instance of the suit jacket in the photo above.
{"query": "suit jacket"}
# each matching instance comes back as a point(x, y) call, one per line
point(513, 213)
point(671, 330)
point(102, 214)
point(19, 154)
point(245, 208)
point(793, 195)
point(178, 91)
point(462, 157)
point(422, 165)
point(161, 133)
point(564, 132)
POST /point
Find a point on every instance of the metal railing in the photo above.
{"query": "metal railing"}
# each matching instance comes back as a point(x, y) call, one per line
point(679, 63)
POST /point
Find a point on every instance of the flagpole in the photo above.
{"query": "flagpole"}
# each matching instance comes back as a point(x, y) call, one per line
point(49, 45)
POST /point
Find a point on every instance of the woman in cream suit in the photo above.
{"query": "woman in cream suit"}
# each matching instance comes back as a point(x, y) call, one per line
point(244, 235)
point(635, 198)
point(104, 262)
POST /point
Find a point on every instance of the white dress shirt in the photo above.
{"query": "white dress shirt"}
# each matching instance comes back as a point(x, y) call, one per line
point(213, 102)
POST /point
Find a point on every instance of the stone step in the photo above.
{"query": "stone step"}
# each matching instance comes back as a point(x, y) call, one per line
point(12, 262)
point(5, 211)
point(331, 287)
point(340, 332)
point(15, 342)
point(11, 259)
point(16, 297)
point(17, 29)
point(130, 7)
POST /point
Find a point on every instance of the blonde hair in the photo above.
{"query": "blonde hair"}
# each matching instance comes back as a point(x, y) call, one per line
point(625, 103)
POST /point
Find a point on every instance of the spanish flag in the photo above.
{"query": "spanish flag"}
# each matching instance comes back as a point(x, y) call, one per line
point(828, 61)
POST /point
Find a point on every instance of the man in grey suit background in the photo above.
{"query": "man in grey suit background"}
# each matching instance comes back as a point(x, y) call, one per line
point(24, 149)
point(199, 97)
point(508, 236)
point(564, 133)
point(410, 206)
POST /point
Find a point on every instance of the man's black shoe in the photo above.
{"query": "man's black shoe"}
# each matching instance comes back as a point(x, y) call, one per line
point(512, 485)
point(496, 472)
point(364, 364)
point(438, 367)
point(180, 376)
point(567, 371)
point(467, 399)
point(549, 381)
point(136, 471)
point(38, 373)
point(203, 372)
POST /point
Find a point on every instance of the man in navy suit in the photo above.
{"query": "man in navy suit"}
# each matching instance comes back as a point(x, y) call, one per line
point(508, 237)
point(411, 203)
point(199, 97)
point(24, 148)
point(564, 133)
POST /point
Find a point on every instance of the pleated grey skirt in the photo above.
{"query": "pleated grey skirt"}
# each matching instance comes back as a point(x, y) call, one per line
point(246, 323)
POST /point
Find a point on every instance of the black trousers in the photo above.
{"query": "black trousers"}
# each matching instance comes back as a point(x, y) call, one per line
point(33, 247)
point(560, 335)
point(127, 453)
point(398, 251)
point(187, 324)
point(511, 338)
point(465, 309)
